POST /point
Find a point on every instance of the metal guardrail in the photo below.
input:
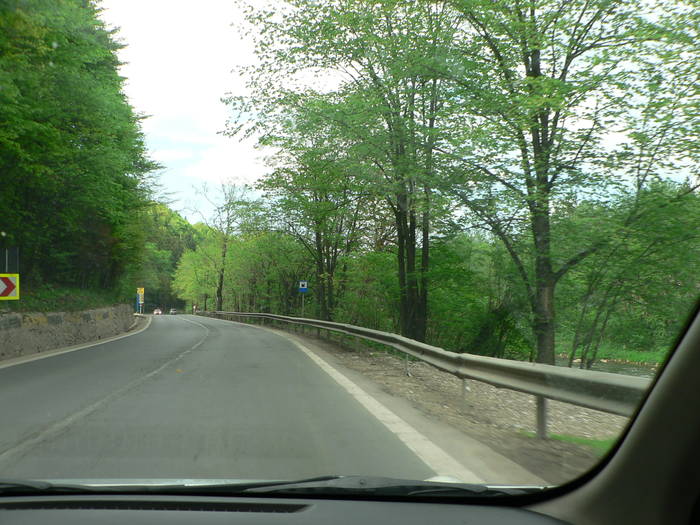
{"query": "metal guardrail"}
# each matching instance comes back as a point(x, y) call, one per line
point(613, 393)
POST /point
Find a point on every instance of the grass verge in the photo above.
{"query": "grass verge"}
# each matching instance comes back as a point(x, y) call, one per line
point(49, 298)
point(634, 356)
point(599, 446)
point(622, 355)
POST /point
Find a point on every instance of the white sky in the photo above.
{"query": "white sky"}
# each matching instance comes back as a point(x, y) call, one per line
point(178, 63)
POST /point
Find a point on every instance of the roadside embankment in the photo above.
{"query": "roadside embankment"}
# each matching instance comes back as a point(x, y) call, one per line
point(23, 334)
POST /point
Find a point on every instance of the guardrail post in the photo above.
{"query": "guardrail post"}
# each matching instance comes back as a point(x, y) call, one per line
point(465, 388)
point(541, 417)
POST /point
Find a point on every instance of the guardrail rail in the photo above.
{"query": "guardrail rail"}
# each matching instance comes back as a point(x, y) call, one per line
point(604, 391)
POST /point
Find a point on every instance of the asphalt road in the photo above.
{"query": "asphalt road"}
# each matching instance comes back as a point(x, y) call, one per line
point(190, 397)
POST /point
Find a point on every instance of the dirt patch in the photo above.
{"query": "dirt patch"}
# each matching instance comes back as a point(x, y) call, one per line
point(499, 418)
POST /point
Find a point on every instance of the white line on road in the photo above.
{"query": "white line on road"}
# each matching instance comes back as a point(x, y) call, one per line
point(57, 428)
point(443, 464)
point(437, 459)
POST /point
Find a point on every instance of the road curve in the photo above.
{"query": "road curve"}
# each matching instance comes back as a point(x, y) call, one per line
point(190, 397)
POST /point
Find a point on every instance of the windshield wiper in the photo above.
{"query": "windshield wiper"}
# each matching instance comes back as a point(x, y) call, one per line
point(389, 487)
point(355, 486)
point(19, 487)
point(342, 486)
point(15, 487)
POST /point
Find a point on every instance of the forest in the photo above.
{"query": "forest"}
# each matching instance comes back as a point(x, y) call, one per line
point(78, 187)
point(515, 179)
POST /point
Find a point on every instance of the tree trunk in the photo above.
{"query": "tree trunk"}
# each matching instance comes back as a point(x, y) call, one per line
point(220, 283)
point(422, 309)
point(330, 294)
point(321, 291)
point(401, 239)
point(412, 287)
point(412, 278)
point(545, 282)
point(544, 323)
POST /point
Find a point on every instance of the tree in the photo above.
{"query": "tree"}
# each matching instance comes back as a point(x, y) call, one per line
point(389, 102)
point(196, 275)
point(635, 291)
point(71, 151)
point(477, 307)
point(231, 209)
point(264, 270)
point(319, 197)
point(167, 236)
point(547, 86)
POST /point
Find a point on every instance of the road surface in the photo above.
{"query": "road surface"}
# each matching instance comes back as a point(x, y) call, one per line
point(190, 397)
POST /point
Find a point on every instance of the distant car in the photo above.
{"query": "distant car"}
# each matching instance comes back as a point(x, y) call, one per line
point(173, 311)
point(157, 311)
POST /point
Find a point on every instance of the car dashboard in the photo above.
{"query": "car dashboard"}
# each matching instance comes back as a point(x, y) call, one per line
point(150, 510)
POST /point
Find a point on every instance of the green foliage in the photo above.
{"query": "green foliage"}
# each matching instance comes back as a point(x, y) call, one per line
point(531, 167)
point(195, 276)
point(264, 273)
point(71, 151)
point(370, 294)
point(474, 307)
point(320, 198)
point(600, 446)
point(166, 237)
point(50, 298)
point(477, 174)
point(634, 293)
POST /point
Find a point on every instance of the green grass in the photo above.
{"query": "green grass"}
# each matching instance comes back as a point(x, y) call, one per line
point(610, 352)
point(599, 446)
point(49, 298)
point(654, 356)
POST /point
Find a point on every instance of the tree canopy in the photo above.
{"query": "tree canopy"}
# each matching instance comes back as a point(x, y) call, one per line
point(555, 135)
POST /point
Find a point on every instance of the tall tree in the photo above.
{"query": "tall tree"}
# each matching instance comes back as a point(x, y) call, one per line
point(319, 195)
point(566, 98)
point(230, 211)
point(389, 101)
point(72, 155)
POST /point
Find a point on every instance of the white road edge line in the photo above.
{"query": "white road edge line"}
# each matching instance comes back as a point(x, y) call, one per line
point(59, 351)
point(437, 459)
point(57, 428)
point(428, 452)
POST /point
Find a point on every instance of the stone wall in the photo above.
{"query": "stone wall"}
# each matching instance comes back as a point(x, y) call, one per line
point(24, 334)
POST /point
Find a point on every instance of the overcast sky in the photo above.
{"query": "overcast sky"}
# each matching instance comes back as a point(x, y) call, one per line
point(178, 63)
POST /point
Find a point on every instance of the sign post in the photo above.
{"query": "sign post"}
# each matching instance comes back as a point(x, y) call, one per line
point(140, 298)
point(303, 288)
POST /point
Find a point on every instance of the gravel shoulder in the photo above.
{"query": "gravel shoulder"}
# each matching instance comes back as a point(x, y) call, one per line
point(500, 418)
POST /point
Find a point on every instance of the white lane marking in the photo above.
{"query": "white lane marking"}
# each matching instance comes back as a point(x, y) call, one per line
point(443, 464)
point(433, 456)
point(201, 326)
point(57, 428)
point(52, 353)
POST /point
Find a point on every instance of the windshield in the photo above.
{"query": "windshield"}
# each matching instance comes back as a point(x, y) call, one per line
point(359, 245)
